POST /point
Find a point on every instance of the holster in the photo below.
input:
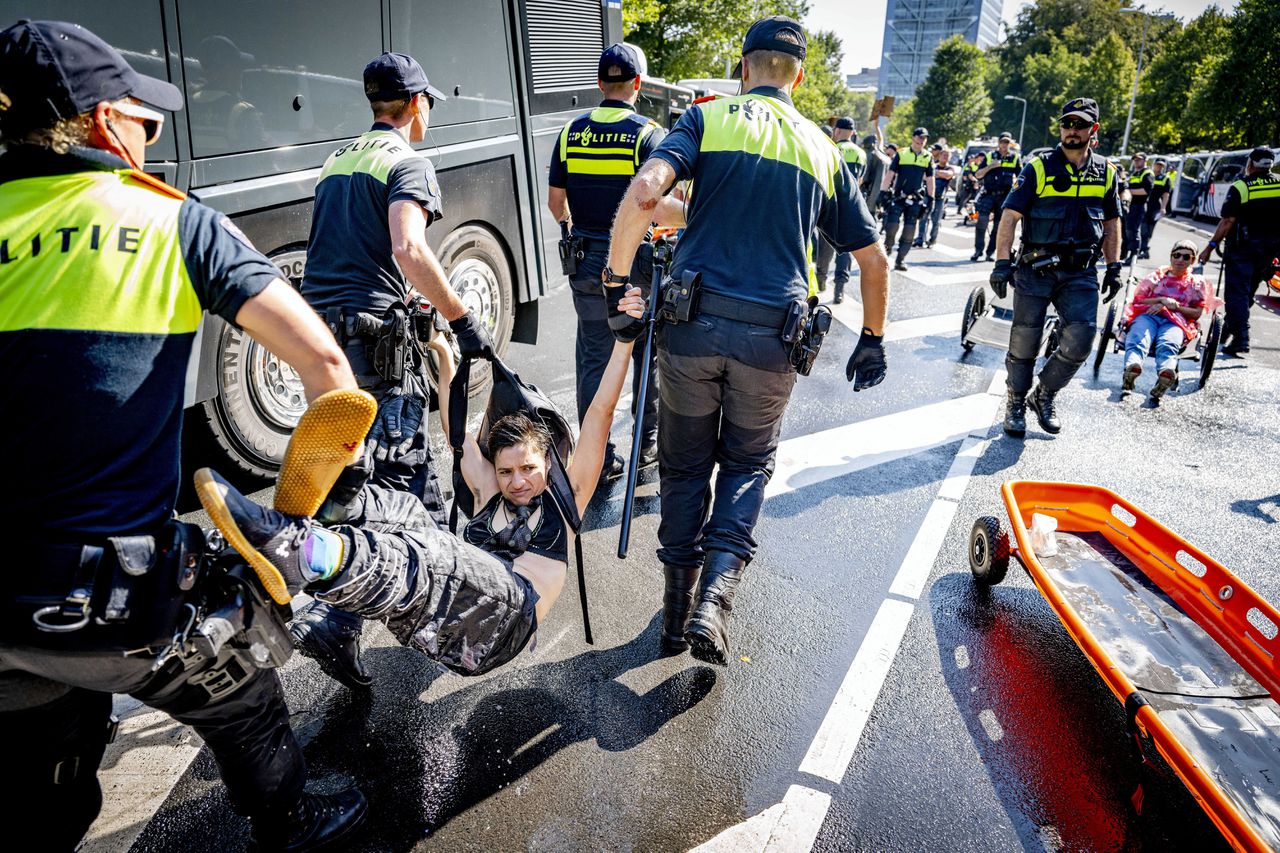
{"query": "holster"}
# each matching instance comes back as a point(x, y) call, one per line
point(679, 300)
point(808, 340)
point(1043, 259)
point(570, 251)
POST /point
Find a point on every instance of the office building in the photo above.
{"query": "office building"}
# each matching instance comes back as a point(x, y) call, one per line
point(914, 28)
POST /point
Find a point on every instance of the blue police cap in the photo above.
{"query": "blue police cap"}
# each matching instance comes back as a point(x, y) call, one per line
point(395, 76)
point(778, 33)
point(1085, 108)
point(51, 70)
point(844, 123)
point(619, 63)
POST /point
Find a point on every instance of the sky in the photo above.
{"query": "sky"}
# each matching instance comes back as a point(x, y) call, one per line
point(861, 23)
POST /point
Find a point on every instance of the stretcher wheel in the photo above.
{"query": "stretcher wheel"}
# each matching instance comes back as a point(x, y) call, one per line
point(988, 551)
point(972, 311)
point(1105, 336)
point(1211, 340)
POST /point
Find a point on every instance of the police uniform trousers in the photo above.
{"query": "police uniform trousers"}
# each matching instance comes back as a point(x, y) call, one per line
point(822, 261)
point(844, 271)
point(1248, 264)
point(55, 710)
point(905, 211)
point(1148, 227)
point(1133, 220)
point(990, 208)
point(1074, 297)
point(725, 386)
point(462, 607)
point(594, 344)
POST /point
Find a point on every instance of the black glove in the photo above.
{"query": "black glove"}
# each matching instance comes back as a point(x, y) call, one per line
point(625, 328)
point(1111, 282)
point(472, 337)
point(867, 365)
point(393, 438)
point(1001, 275)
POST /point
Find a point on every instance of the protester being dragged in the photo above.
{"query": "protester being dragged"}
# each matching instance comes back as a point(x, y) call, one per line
point(1163, 313)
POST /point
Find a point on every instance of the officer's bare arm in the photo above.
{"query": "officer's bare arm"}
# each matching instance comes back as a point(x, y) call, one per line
point(408, 223)
point(637, 210)
point(889, 177)
point(281, 321)
point(670, 212)
point(1110, 240)
point(873, 277)
point(558, 203)
point(1004, 237)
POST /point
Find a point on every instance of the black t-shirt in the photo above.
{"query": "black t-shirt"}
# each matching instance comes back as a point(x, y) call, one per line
point(349, 259)
point(97, 324)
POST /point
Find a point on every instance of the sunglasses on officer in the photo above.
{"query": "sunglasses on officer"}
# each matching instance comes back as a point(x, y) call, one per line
point(1074, 123)
point(152, 121)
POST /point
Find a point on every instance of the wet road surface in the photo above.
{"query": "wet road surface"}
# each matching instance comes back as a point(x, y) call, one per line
point(877, 700)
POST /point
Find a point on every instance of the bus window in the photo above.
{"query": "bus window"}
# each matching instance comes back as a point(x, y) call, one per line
point(133, 27)
point(262, 75)
point(471, 56)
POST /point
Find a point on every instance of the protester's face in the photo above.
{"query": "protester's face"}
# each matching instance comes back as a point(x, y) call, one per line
point(1180, 259)
point(522, 473)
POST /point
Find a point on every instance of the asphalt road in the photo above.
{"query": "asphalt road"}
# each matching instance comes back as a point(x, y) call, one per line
point(876, 701)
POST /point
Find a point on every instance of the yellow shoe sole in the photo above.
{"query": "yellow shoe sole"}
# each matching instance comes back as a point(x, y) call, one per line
point(328, 437)
point(212, 496)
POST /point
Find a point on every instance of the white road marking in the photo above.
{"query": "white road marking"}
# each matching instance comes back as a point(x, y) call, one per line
point(933, 279)
point(914, 572)
point(849, 313)
point(949, 251)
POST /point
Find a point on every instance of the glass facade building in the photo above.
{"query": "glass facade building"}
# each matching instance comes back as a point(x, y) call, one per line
point(914, 28)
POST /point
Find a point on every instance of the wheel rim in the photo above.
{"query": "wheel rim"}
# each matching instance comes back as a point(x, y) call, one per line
point(479, 289)
point(276, 387)
point(979, 551)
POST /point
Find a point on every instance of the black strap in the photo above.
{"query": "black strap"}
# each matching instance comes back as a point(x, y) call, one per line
point(593, 244)
point(457, 439)
point(743, 311)
point(582, 590)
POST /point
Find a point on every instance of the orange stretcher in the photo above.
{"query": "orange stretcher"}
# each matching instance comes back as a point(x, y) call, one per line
point(1187, 647)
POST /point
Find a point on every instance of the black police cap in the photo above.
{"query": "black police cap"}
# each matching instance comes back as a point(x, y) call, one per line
point(937, 146)
point(395, 76)
point(619, 63)
point(844, 123)
point(1262, 156)
point(1005, 137)
point(1085, 108)
point(920, 131)
point(51, 70)
point(779, 33)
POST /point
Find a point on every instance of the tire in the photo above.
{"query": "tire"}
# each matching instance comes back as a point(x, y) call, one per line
point(1105, 337)
point(972, 311)
point(260, 398)
point(1210, 354)
point(988, 551)
point(481, 273)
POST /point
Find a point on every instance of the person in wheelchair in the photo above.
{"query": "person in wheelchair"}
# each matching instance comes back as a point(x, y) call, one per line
point(472, 601)
point(1162, 318)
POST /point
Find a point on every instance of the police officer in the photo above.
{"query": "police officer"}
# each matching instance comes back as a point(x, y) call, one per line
point(873, 178)
point(367, 255)
point(855, 160)
point(943, 174)
point(1157, 204)
point(594, 160)
point(105, 273)
point(764, 177)
point(1251, 226)
point(1067, 201)
point(910, 177)
point(995, 175)
point(968, 181)
point(1139, 184)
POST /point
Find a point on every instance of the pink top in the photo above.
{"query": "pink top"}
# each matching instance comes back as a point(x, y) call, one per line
point(1190, 291)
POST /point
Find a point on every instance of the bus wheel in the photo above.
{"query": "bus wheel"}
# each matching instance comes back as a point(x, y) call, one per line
point(481, 274)
point(260, 397)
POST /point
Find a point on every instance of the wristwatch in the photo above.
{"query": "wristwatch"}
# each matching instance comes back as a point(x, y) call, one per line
point(608, 276)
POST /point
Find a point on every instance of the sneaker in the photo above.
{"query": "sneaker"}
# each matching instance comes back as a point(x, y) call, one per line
point(331, 638)
point(976, 256)
point(316, 821)
point(612, 468)
point(1165, 380)
point(1131, 374)
point(269, 541)
point(900, 266)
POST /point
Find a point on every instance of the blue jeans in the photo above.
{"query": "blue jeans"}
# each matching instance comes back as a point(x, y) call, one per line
point(1148, 328)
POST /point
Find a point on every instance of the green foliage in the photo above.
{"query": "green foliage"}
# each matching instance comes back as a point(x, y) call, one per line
point(953, 101)
point(898, 129)
point(1107, 77)
point(1240, 104)
point(1175, 86)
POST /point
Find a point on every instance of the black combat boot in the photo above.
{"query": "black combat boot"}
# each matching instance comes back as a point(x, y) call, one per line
point(708, 632)
point(331, 638)
point(316, 821)
point(677, 601)
point(1015, 414)
point(1041, 402)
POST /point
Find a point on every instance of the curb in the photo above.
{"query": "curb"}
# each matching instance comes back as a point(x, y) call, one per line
point(1188, 227)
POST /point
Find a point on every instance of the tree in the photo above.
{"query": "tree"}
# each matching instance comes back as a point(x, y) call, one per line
point(1241, 101)
point(953, 101)
point(1184, 66)
point(901, 123)
point(1106, 75)
point(697, 38)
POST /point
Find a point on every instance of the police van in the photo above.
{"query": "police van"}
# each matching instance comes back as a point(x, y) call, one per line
point(273, 86)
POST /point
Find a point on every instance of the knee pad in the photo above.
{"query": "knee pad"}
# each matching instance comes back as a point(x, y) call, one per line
point(1076, 341)
point(1024, 342)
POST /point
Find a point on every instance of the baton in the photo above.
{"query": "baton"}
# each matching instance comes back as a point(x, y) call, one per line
point(660, 250)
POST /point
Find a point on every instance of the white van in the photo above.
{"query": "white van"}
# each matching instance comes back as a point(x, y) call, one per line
point(1225, 170)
